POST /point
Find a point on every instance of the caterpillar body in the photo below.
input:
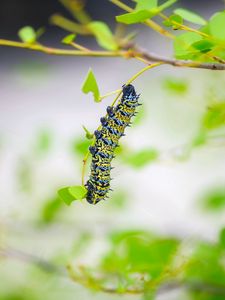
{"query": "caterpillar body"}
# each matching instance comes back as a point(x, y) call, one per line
point(106, 140)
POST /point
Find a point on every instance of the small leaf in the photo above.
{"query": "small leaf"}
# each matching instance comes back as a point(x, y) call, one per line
point(135, 17)
point(215, 200)
point(141, 158)
point(217, 25)
point(67, 40)
point(27, 34)
point(142, 12)
point(178, 86)
point(146, 4)
point(215, 116)
point(190, 16)
point(182, 45)
point(78, 192)
point(103, 35)
point(203, 46)
point(90, 85)
point(174, 18)
point(65, 195)
point(72, 193)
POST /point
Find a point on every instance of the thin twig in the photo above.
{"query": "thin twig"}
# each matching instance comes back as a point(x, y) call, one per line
point(30, 258)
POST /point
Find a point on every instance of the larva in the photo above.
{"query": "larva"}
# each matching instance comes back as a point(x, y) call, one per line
point(106, 140)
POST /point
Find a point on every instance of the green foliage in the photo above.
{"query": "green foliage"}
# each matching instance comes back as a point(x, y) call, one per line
point(176, 85)
point(141, 252)
point(215, 116)
point(140, 158)
point(90, 85)
point(222, 238)
point(183, 45)
point(190, 16)
point(135, 17)
point(217, 24)
point(214, 200)
point(72, 193)
point(146, 4)
point(103, 35)
point(205, 265)
point(203, 46)
point(200, 139)
point(80, 146)
point(51, 209)
point(143, 11)
point(27, 34)
point(170, 22)
point(69, 39)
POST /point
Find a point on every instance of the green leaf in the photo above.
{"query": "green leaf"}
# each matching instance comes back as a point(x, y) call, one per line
point(78, 192)
point(90, 85)
point(139, 252)
point(203, 46)
point(67, 40)
point(72, 193)
point(146, 4)
point(65, 195)
point(205, 266)
point(182, 45)
point(190, 16)
point(215, 116)
point(135, 17)
point(141, 13)
point(27, 34)
point(178, 86)
point(103, 35)
point(141, 158)
point(217, 25)
point(174, 18)
point(214, 200)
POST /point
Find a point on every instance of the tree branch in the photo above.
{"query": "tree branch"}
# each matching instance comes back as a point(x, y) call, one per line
point(137, 53)
point(152, 57)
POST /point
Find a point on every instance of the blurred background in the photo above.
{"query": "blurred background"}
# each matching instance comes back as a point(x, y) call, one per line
point(178, 191)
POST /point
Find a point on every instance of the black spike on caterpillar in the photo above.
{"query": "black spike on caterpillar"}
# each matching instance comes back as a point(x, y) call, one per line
point(106, 140)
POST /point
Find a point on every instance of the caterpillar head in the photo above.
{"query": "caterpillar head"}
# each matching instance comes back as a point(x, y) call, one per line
point(129, 91)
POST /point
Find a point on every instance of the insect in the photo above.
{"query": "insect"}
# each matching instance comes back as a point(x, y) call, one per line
point(106, 141)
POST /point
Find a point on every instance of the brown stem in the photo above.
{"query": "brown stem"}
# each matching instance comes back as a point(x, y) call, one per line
point(135, 53)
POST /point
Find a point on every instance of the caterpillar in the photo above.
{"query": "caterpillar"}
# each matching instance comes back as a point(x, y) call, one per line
point(106, 141)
